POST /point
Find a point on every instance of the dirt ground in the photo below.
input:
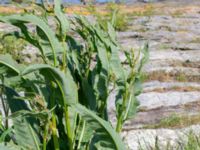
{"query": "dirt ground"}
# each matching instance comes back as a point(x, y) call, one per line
point(165, 7)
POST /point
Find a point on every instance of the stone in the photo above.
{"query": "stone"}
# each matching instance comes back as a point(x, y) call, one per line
point(152, 100)
point(146, 138)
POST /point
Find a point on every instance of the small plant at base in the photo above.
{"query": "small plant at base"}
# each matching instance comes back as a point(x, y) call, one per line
point(181, 77)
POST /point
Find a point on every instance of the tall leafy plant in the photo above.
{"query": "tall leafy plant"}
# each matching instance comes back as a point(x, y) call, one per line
point(62, 103)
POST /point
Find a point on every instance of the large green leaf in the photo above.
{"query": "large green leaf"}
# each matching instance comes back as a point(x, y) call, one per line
point(65, 82)
point(25, 134)
point(105, 137)
point(88, 93)
point(119, 77)
point(64, 24)
point(101, 76)
point(13, 100)
point(7, 61)
point(112, 33)
point(28, 137)
point(10, 70)
point(23, 127)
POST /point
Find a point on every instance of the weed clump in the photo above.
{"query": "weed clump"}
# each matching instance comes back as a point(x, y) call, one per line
point(113, 14)
point(9, 44)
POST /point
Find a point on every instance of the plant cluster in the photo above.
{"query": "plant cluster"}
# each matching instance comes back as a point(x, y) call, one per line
point(62, 102)
point(11, 45)
point(189, 141)
point(113, 14)
point(148, 10)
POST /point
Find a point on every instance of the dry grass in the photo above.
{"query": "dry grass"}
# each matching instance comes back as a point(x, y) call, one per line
point(174, 88)
point(132, 10)
point(170, 76)
point(139, 10)
point(176, 121)
point(10, 10)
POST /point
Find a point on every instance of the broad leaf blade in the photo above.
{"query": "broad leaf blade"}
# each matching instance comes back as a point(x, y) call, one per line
point(65, 81)
point(64, 24)
point(10, 70)
point(25, 135)
point(8, 61)
point(105, 136)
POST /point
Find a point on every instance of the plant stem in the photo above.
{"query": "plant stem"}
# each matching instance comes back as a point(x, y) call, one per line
point(81, 136)
point(119, 124)
point(64, 56)
point(5, 109)
point(53, 128)
point(103, 111)
point(69, 132)
point(89, 64)
point(54, 57)
point(67, 119)
point(45, 138)
point(76, 132)
point(54, 132)
point(120, 119)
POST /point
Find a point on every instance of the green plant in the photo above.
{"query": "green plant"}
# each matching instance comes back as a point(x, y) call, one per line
point(172, 120)
point(117, 17)
point(148, 10)
point(62, 103)
point(181, 77)
point(193, 142)
point(10, 44)
point(190, 141)
point(113, 14)
point(176, 121)
point(164, 46)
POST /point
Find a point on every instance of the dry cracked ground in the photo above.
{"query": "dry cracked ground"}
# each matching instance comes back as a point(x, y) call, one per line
point(170, 103)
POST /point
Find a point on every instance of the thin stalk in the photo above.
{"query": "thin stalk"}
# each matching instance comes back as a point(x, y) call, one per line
point(128, 107)
point(76, 132)
point(53, 127)
point(81, 136)
point(54, 132)
point(119, 124)
point(64, 56)
point(89, 64)
point(73, 132)
point(125, 109)
point(5, 109)
point(129, 95)
point(67, 119)
point(45, 138)
point(69, 131)
point(54, 58)
point(121, 115)
point(103, 110)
